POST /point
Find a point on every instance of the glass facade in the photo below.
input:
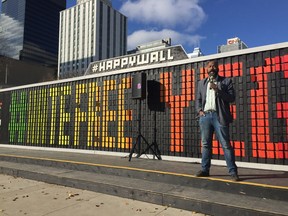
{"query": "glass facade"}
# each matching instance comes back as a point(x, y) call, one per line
point(12, 28)
point(11, 37)
point(37, 26)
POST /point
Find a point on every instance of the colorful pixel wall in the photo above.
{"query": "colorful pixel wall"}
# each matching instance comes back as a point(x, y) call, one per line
point(98, 113)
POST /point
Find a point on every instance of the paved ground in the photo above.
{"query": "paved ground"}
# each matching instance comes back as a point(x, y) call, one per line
point(20, 196)
point(261, 191)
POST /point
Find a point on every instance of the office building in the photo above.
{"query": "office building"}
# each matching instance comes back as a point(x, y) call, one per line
point(30, 30)
point(15, 73)
point(90, 31)
point(232, 44)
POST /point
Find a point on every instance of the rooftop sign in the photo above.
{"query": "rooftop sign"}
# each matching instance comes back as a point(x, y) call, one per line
point(167, 54)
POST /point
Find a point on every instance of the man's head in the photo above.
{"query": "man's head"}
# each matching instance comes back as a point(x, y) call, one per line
point(212, 68)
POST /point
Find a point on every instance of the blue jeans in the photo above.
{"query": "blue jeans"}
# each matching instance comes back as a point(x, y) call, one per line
point(208, 125)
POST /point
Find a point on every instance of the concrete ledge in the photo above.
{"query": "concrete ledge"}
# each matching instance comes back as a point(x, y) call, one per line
point(193, 199)
point(157, 176)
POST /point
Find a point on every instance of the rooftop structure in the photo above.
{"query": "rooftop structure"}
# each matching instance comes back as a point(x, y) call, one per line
point(232, 44)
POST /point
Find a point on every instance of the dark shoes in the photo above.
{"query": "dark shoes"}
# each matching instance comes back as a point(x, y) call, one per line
point(235, 177)
point(202, 174)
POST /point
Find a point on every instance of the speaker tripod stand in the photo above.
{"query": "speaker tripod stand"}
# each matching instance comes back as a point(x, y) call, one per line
point(153, 146)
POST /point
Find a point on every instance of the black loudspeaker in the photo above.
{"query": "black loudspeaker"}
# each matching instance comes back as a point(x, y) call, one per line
point(139, 86)
point(153, 97)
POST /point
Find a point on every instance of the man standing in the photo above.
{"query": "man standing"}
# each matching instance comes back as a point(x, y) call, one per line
point(214, 94)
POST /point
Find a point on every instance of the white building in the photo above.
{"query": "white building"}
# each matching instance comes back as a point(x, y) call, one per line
point(90, 31)
point(232, 44)
point(196, 53)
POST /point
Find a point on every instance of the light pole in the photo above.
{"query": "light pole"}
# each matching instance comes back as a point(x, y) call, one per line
point(6, 73)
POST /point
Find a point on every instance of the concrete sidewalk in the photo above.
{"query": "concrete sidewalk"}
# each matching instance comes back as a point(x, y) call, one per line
point(161, 182)
point(20, 196)
point(273, 178)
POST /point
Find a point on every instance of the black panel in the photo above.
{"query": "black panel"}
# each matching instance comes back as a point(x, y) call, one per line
point(139, 86)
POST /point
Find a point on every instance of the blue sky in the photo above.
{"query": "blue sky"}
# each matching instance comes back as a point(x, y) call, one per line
point(204, 23)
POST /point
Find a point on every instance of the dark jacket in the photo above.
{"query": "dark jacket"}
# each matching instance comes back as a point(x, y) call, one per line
point(224, 97)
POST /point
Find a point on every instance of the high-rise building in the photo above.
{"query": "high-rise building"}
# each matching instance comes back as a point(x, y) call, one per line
point(90, 31)
point(30, 30)
point(232, 44)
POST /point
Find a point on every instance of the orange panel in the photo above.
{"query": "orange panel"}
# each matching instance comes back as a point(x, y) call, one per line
point(237, 152)
point(281, 155)
point(183, 104)
point(255, 153)
point(172, 143)
point(270, 154)
point(261, 138)
point(178, 135)
point(215, 151)
point(259, 70)
point(261, 130)
point(262, 154)
point(270, 146)
point(188, 79)
point(228, 67)
point(260, 123)
point(177, 130)
point(189, 85)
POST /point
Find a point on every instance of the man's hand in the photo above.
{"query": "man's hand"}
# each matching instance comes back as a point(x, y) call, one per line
point(201, 113)
point(214, 87)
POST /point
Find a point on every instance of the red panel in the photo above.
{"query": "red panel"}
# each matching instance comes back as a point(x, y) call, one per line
point(286, 74)
point(235, 65)
point(267, 69)
point(277, 59)
point(268, 61)
point(278, 67)
point(284, 58)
